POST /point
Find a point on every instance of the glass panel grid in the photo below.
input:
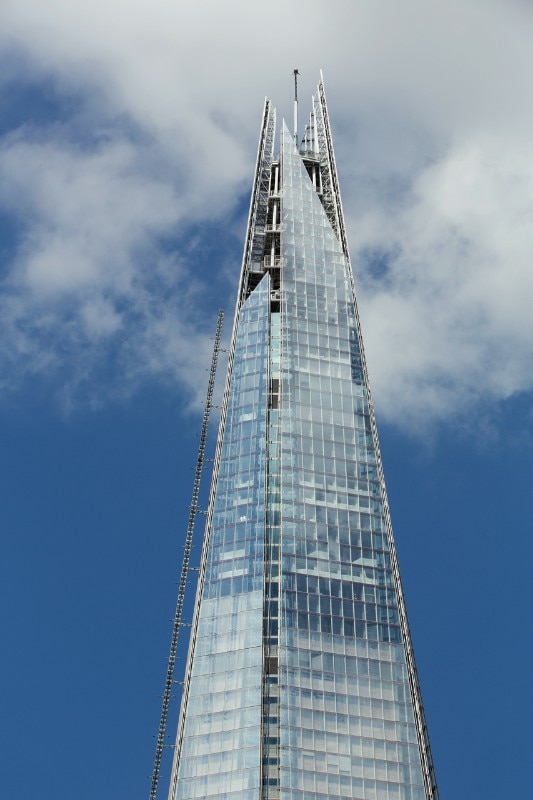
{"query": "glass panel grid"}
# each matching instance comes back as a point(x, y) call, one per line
point(347, 726)
point(220, 750)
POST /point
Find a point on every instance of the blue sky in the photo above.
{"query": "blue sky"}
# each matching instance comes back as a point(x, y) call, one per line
point(127, 140)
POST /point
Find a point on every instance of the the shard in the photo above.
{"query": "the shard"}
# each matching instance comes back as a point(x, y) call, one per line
point(300, 681)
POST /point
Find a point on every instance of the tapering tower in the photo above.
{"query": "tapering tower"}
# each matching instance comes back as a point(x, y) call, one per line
point(300, 681)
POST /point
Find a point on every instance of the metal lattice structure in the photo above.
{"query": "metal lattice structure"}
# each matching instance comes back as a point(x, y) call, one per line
point(257, 220)
point(185, 567)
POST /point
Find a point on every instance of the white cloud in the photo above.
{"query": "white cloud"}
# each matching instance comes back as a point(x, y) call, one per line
point(84, 212)
point(156, 109)
point(89, 276)
point(450, 326)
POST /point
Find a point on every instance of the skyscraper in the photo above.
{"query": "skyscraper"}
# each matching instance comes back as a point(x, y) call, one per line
point(300, 681)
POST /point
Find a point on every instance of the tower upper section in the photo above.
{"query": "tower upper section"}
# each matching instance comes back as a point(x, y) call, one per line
point(300, 681)
point(262, 248)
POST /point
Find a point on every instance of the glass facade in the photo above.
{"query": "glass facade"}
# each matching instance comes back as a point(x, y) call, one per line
point(221, 748)
point(300, 681)
point(347, 725)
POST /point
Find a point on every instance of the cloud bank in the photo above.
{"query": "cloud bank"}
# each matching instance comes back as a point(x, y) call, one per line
point(125, 160)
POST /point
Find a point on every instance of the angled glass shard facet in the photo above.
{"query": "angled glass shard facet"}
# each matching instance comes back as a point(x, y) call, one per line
point(300, 681)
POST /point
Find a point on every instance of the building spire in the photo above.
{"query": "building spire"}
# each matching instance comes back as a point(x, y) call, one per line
point(296, 73)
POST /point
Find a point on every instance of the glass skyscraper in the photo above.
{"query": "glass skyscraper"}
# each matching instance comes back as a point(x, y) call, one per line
point(300, 681)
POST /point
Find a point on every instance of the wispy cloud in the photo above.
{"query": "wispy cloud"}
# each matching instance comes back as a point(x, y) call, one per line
point(90, 281)
point(448, 319)
point(148, 147)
